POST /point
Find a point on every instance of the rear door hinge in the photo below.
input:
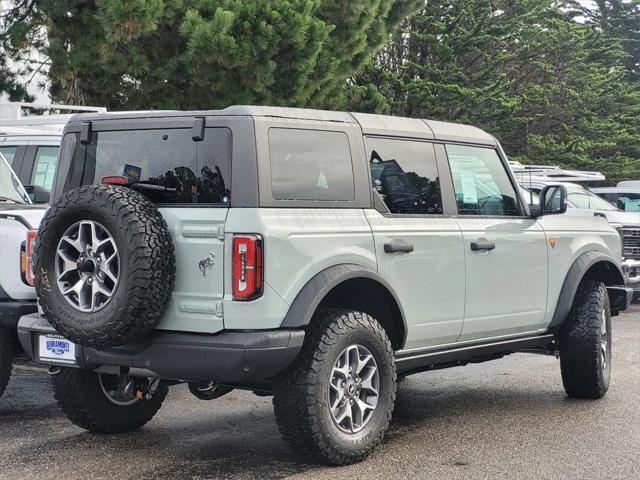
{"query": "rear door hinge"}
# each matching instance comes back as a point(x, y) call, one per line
point(219, 310)
point(221, 232)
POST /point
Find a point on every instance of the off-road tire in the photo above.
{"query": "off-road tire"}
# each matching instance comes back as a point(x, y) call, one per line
point(300, 392)
point(82, 400)
point(147, 265)
point(7, 353)
point(581, 362)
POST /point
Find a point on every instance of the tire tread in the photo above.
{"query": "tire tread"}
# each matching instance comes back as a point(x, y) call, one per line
point(295, 402)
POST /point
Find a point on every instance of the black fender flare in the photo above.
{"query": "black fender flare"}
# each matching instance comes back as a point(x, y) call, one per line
point(310, 296)
point(574, 276)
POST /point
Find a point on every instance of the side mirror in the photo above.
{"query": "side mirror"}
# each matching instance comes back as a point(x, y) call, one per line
point(37, 194)
point(553, 201)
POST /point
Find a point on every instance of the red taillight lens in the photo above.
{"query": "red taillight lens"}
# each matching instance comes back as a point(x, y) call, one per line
point(115, 180)
point(247, 267)
point(29, 260)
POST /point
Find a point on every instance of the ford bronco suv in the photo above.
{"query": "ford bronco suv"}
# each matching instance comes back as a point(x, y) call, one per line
point(316, 256)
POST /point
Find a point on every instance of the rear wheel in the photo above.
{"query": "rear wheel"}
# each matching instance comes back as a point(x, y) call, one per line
point(7, 353)
point(106, 403)
point(334, 404)
point(585, 343)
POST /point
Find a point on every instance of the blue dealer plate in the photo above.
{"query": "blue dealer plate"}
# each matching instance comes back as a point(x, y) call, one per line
point(56, 349)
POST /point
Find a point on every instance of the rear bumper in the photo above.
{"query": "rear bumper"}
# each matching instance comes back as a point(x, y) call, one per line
point(233, 357)
point(10, 312)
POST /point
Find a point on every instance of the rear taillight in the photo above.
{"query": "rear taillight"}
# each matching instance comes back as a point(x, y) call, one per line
point(247, 266)
point(115, 180)
point(28, 256)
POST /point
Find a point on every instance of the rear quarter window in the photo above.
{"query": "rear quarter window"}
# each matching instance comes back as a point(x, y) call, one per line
point(310, 165)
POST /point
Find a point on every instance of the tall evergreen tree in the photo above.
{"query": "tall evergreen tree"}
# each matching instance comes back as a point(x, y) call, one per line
point(552, 90)
point(205, 53)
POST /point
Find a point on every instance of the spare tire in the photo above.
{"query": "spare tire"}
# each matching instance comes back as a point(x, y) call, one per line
point(105, 265)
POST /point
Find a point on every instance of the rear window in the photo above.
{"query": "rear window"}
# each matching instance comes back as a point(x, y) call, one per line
point(165, 164)
point(310, 165)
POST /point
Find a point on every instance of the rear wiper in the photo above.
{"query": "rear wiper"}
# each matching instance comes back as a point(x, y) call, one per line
point(152, 187)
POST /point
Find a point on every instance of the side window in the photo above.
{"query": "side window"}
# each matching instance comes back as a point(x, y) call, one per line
point(161, 162)
point(310, 165)
point(481, 183)
point(405, 174)
point(629, 202)
point(44, 167)
point(8, 153)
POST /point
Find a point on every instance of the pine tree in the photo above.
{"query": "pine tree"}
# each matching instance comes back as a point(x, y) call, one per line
point(138, 54)
point(553, 91)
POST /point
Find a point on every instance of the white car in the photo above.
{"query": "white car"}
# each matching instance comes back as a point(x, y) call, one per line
point(17, 217)
point(625, 198)
point(31, 143)
point(581, 201)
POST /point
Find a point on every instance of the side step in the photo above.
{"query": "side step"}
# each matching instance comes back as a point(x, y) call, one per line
point(413, 362)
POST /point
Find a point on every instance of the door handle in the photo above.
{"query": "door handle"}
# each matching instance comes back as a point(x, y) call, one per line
point(398, 246)
point(483, 244)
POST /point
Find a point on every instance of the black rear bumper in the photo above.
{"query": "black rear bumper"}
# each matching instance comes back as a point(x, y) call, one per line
point(11, 311)
point(232, 357)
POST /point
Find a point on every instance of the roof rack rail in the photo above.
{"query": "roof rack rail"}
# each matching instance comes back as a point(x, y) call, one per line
point(554, 173)
point(41, 112)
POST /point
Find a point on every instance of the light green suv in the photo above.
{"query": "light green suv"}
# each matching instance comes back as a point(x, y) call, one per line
point(315, 255)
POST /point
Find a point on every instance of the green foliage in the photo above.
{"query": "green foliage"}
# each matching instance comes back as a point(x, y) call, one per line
point(557, 81)
point(553, 90)
point(141, 54)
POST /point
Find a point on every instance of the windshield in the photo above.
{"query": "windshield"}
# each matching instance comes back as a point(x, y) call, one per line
point(579, 197)
point(11, 190)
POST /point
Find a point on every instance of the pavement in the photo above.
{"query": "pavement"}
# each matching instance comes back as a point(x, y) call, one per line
point(509, 418)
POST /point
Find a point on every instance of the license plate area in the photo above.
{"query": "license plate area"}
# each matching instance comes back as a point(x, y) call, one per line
point(56, 349)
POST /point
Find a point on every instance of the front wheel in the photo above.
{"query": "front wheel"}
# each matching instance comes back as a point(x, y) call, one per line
point(334, 404)
point(103, 403)
point(585, 343)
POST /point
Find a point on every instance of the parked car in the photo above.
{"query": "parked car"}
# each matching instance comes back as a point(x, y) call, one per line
point(625, 198)
point(581, 201)
point(310, 254)
point(17, 216)
point(628, 200)
point(629, 184)
point(31, 142)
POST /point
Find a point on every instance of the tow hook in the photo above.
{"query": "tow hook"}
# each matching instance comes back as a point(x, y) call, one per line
point(54, 370)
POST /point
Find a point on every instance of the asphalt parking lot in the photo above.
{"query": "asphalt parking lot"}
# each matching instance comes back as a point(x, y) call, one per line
point(504, 419)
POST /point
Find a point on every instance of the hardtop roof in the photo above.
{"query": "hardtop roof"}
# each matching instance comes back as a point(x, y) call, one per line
point(371, 124)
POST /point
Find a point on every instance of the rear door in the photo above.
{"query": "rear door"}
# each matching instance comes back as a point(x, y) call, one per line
point(190, 183)
point(419, 248)
point(505, 251)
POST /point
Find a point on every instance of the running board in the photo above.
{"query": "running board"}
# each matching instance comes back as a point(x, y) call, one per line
point(413, 362)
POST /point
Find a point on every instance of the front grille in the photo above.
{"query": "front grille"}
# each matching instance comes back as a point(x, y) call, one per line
point(631, 242)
